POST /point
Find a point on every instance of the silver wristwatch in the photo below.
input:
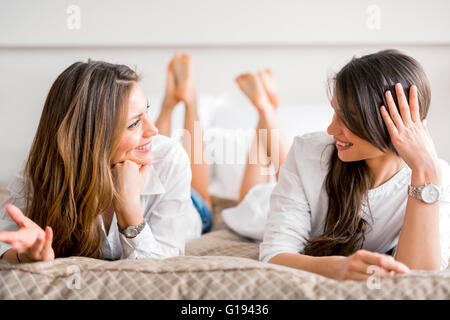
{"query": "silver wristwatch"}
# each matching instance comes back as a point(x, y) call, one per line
point(428, 193)
point(132, 231)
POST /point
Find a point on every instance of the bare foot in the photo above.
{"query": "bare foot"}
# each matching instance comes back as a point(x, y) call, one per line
point(269, 82)
point(184, 79)
point(253, 88)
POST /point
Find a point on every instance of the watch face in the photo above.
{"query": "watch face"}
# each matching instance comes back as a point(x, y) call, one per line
point(430, 193)
point(131, 233)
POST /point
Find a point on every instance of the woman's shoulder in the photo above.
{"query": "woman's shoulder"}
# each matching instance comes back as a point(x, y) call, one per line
point(445, 170)
point(314, 146)
point(167, 149)
point(445, 179)
point(169, 157)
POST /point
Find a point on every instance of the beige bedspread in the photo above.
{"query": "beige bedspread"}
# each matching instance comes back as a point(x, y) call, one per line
point(219, 265)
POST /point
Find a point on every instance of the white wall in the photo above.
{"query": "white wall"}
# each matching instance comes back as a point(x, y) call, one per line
point(218, 22)
point(302, 43)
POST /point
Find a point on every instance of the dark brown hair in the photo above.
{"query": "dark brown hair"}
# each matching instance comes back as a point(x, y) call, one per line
point(359, 88)
point(68, 173)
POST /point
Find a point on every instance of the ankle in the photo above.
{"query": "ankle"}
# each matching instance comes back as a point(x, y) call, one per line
point(191, 103)
point(168, 105)
point(265, 110)
point(275, 100)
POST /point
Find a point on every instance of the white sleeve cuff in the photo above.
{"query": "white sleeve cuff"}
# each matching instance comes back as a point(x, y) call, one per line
point(138, 247)
point(144, 246)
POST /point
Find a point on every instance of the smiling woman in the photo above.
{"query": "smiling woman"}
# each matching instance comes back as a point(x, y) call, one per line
point(99, 182)
point(348, 194)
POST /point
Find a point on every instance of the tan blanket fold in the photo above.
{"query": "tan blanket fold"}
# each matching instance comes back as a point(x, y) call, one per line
point(208, 277)
point(219, 265)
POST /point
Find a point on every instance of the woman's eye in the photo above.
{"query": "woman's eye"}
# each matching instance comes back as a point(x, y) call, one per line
point(134, 124)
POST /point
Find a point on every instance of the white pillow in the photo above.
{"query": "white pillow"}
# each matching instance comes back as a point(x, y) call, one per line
point(249, 217)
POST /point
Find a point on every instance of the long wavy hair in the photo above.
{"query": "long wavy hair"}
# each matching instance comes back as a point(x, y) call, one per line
point(68, 172)
point(360, 88)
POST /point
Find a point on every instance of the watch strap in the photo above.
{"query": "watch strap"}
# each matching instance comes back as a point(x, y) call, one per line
point(415, 192)
point(136, 229)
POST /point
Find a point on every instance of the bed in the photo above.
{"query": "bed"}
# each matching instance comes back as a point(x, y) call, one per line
point(218, 265)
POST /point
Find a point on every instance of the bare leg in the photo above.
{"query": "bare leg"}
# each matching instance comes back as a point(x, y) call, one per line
point(163, 123)
point(194, 141)
point(269, 82)
point(193, 137)
point(255, 173)
point(277, 143)
point(270, 121)
point(268, 132)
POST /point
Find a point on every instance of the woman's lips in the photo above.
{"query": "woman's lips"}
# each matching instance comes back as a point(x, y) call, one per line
point(342, 146)
point(144, 148)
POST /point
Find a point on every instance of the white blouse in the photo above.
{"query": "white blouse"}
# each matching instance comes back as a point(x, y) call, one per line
point(171, 217)
point(299, 202)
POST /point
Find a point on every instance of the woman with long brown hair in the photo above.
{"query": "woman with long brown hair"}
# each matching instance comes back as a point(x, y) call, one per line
point(99, 180)
point(371, 192)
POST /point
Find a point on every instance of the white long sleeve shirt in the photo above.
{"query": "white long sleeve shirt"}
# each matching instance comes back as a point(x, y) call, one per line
point(299, 202)
point(171, 217)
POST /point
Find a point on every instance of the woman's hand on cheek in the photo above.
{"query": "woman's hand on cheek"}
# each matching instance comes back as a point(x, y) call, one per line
point(129, 178)
point(409, 134)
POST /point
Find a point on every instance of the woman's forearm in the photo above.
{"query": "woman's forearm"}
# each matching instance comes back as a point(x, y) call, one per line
point(330, 266)
point(419, 244)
